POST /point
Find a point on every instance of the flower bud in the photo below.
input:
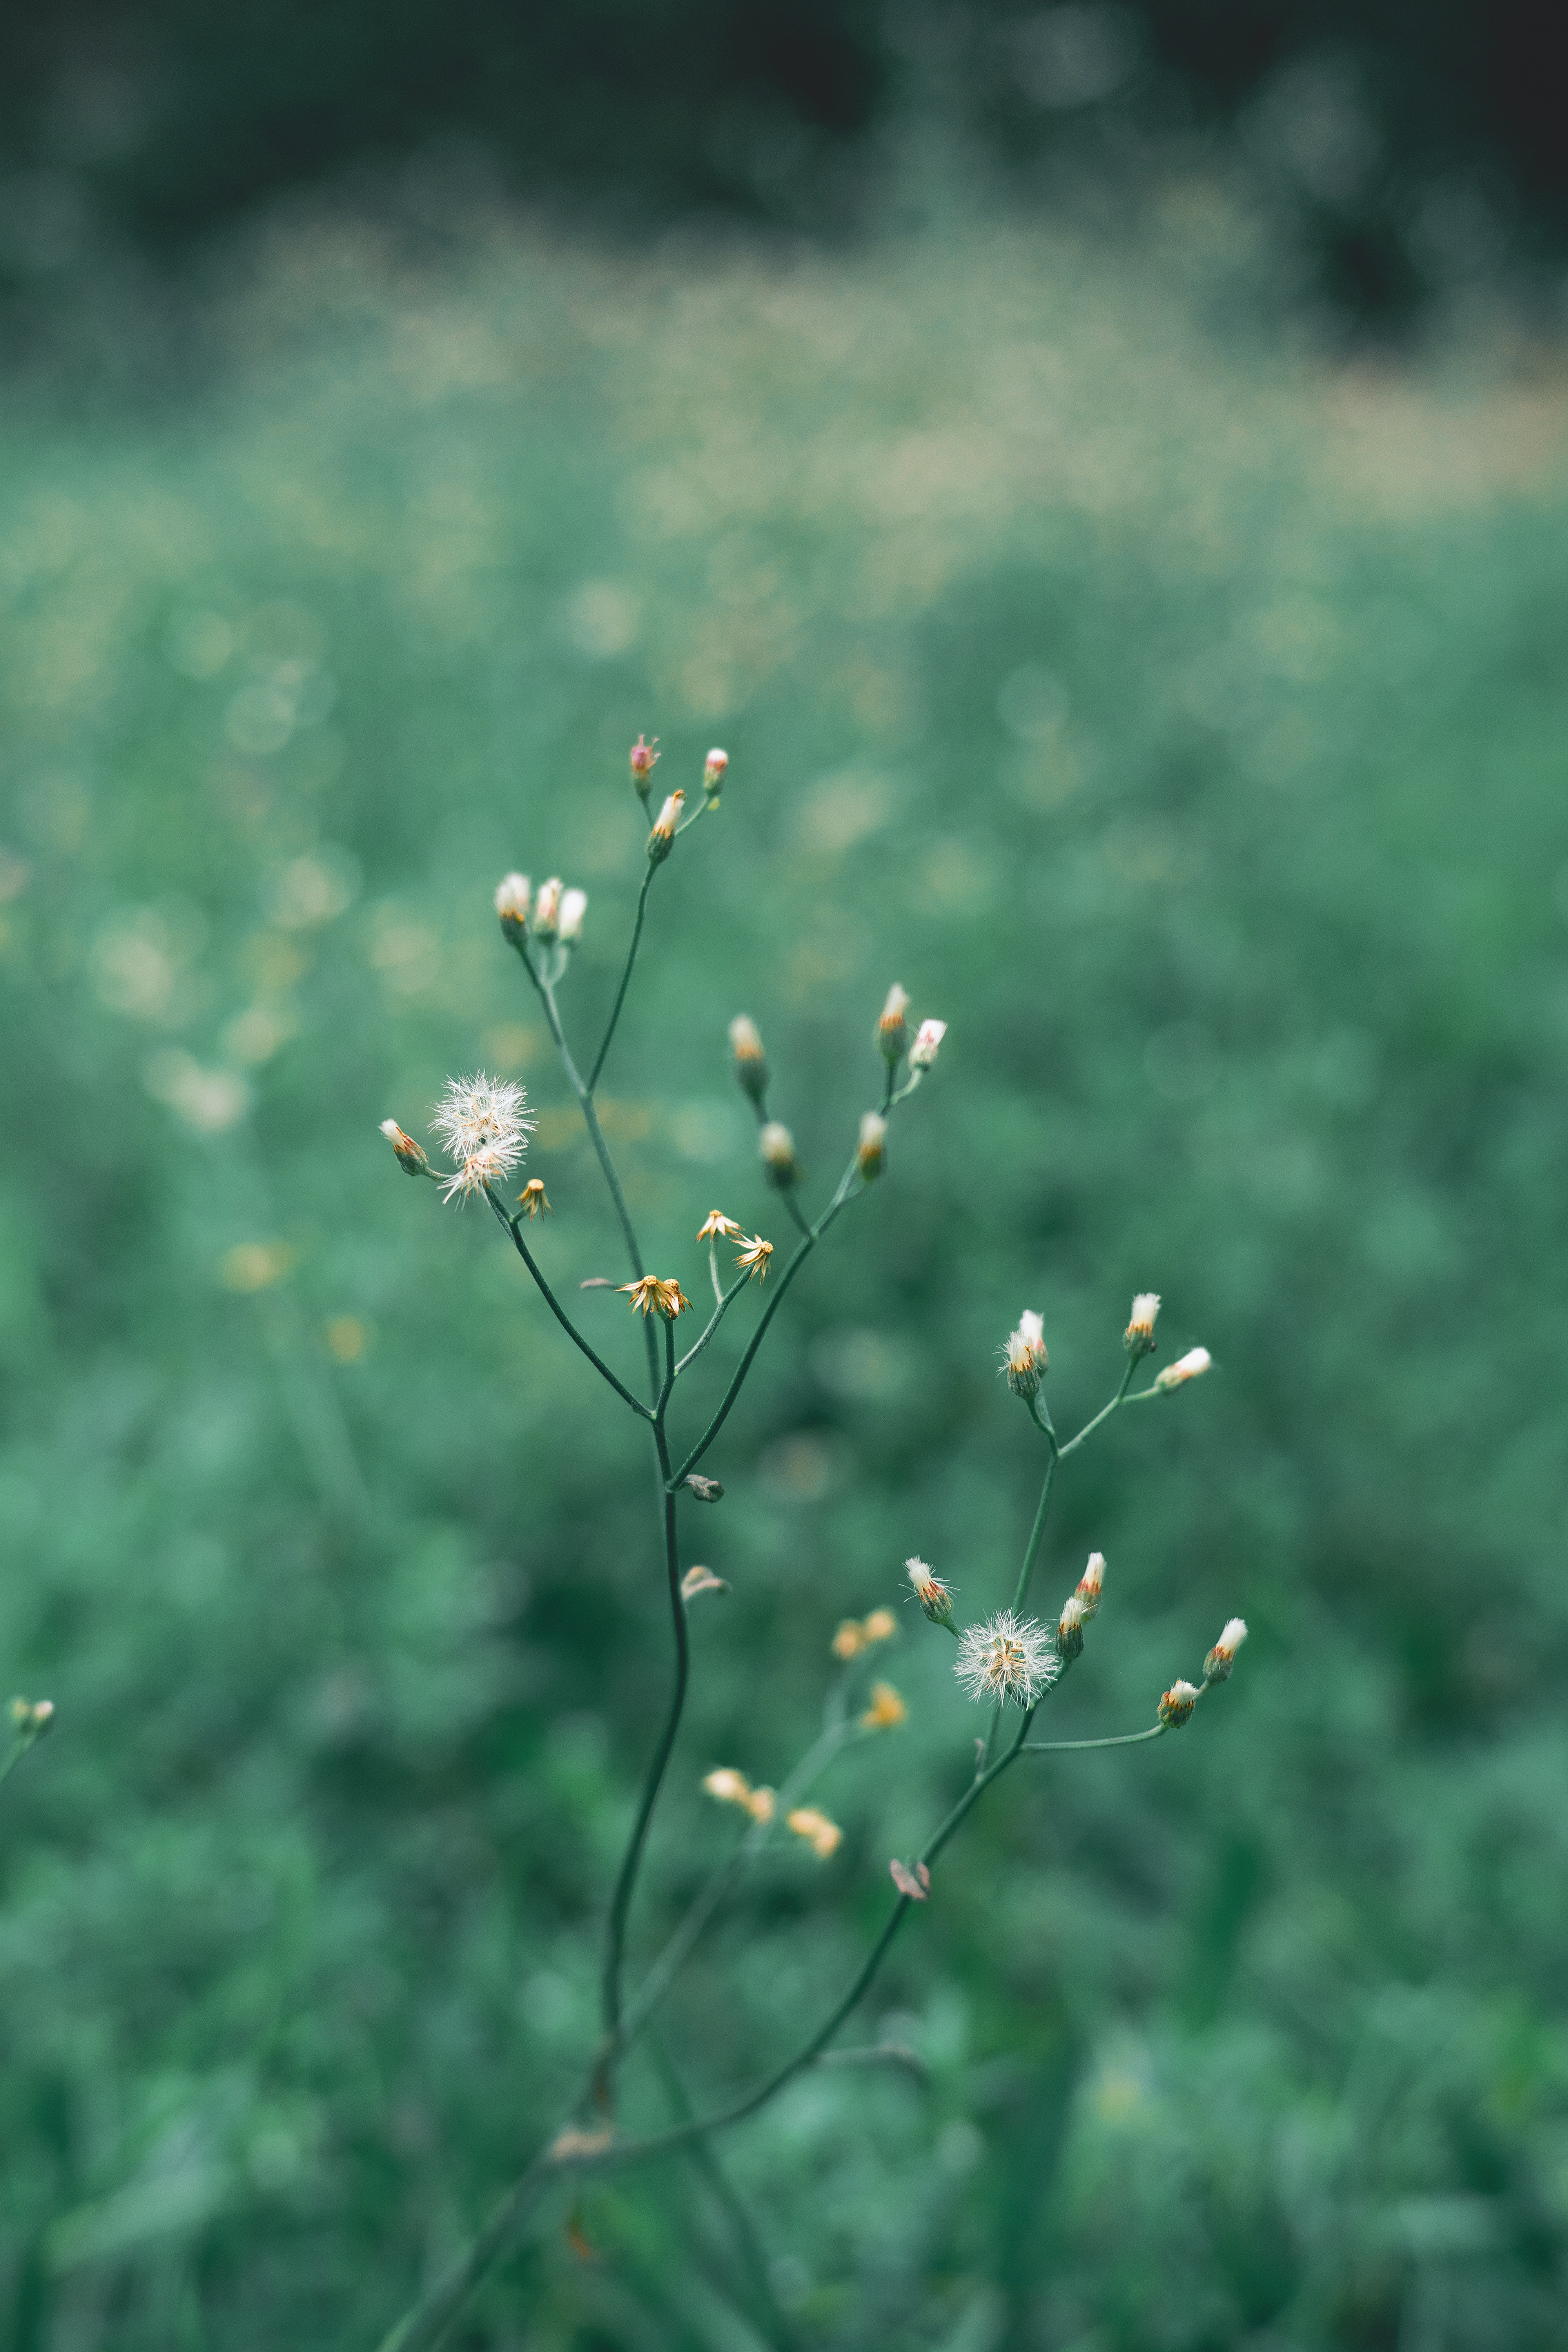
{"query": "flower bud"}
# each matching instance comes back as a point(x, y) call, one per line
point(729, 1787)
point(547, 909)
point(701, 1579)
point(32, 1716)
point(933, 1595)
point(1089, 1583)
point(1025, 1354)
point(776, 1145)
point(1221, 1659)
point(915, 1883)
point(928, 1039)
point(645, 760)
point(879, 1626)
point(872, 1148)
point(714, 775)
point(573, 906)
point(1187, 1368)
point(704, 1490)
point(411, 1157)
point(1070, 1628)
point(751, 1061)
point(892, 1027)
point(1139, 1337)
point(1176, 1705)
point(661, 839)
point(849, 1639)
point(511, 905)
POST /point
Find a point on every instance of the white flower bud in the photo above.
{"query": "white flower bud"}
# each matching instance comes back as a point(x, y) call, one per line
point(661, 839)
point(1189, 1366)
point(1139, 1337)
point(573, 906)
point(892, 1024)
point(1217, 1666)
point(512, 903)
point(713, 774)
point(776, 1145)
point(1176, 1705)
point(547, 909)
point(928, 1039)
point(872, 1148)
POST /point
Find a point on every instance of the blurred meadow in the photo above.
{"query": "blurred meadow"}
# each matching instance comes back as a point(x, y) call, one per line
point(1178, 711)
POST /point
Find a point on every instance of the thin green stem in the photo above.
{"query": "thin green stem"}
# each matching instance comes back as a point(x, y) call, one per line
point(1075, 1747)
point(626, 1882)
point(24, 1740)
point(595, 1136)
point(684, 1941)
point(813, 1235)
point(713, 1270)
point(726, 1300)
point(1120, 1399)
point(513, 1227)
point(625, 980)
point(1036, 1536)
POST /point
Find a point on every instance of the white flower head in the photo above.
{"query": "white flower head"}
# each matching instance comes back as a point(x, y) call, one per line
point(573, 906)
point(928, 1040)
point(1025, 1354)
point(1007, 1658)
point(480, 1110)
point(1190, 1367)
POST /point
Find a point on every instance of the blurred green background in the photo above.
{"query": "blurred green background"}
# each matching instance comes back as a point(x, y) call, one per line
point(1179, 715)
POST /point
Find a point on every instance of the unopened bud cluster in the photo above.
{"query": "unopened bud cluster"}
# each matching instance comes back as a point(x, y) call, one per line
point(1139, 1337)
point(553, 913)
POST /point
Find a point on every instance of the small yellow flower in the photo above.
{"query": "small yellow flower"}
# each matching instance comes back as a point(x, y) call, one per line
point(822, 1835)
point(532, 1200)
point(717, 1227)
point(729, 1787)
point(650, 1296)
point(887, 1709)
point(755, 1257)
point(849, 1639)
point(880, 1626)
point(761, 1804)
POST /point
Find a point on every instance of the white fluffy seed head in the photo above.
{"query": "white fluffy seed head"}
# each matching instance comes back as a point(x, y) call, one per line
point(478, 1111)
point(1008, 1658)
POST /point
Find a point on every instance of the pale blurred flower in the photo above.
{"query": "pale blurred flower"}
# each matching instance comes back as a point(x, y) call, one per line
point(928, 1040)
point(823, 1836)
point(573, 906)
point(887, 1709)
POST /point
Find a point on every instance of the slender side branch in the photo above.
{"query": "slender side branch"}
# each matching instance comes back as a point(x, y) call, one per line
point(1070, 1746)
point(625, 979)
point(726, 1300)
point(546, 993)
point(1121, 1398)
point(514, 1229)
point(626, 1881)
point(813, 1235)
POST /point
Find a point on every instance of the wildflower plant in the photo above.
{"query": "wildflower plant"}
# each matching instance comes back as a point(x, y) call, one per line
point(1007, 1661)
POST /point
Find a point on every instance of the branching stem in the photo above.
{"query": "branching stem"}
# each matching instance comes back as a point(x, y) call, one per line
point(513, 1226)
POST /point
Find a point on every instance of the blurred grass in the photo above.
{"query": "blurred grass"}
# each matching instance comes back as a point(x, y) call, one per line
point(1180, 719)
